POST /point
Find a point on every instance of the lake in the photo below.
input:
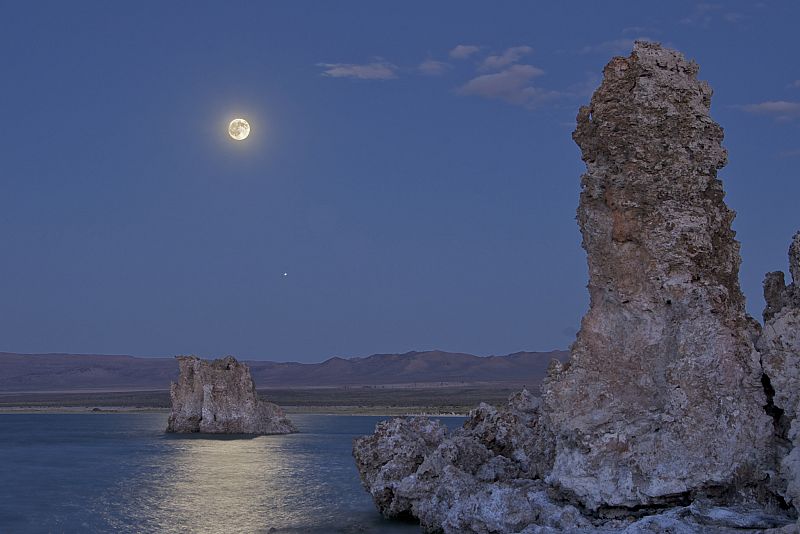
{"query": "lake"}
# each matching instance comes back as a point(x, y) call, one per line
point(120, 472)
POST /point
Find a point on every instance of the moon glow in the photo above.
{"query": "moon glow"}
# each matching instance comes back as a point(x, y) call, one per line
point(239, 129)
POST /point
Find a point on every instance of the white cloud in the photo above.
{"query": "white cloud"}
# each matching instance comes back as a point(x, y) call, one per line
point(733, 17)
point(638, 30)
point(377, 70)
point(780, 109)
point(701, 13)
point(463, 51)
point(614, 46)
point(431, 67)
point(512, 85)
point(508, 57)
point(795, 84)
point(704, 13)
point(585, 88)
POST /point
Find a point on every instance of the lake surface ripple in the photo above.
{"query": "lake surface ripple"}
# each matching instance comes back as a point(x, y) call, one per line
point(120, 472)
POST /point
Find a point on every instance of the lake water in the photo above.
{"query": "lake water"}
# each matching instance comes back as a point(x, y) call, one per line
point(120, 472)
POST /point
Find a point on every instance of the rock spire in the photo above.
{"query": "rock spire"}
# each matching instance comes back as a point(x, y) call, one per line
point(662, 395)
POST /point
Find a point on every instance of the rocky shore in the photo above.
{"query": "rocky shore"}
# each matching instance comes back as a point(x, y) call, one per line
point(219, 397)
point(676, 412)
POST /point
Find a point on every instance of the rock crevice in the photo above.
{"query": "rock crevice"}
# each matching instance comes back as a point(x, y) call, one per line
point(779, 345)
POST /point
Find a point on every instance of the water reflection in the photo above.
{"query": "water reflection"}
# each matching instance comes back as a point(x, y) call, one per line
point(298, 483)
point(216, 485)
point(121, 473)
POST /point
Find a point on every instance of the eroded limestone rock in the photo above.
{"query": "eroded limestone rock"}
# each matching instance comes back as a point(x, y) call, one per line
point(219, 397)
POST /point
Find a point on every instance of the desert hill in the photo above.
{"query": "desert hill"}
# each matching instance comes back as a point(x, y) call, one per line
point(86, 372)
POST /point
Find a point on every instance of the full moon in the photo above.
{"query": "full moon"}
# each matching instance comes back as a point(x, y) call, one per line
point(239, 129)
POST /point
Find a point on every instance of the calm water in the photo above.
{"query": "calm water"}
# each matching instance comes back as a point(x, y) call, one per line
point(120, 472)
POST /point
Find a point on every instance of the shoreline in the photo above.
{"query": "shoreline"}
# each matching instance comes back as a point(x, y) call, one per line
point(388, 411)
point(335, 401)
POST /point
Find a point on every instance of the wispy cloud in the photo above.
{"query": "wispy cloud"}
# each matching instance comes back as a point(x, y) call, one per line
point(614, 46)
point(584, 88)
point(779, 109)
point(795, 84)
point(638, 30)
point(508, 57)
point(512, 85)
point(733, 17)
point(463, 51)
point(431, 67)
point(790, 153)
point(376, 70)
point(501, 76)
point(704, 13)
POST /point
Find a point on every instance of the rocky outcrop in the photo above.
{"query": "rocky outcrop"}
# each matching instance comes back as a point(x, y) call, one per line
point(484, 477)
point(219, 397)
point(663, 419)
point(392, 454)
point(780, 357)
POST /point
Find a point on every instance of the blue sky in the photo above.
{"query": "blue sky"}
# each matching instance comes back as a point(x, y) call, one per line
point(410, 168)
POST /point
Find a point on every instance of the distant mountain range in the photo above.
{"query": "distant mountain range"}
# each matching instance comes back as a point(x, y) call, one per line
point(97, 372)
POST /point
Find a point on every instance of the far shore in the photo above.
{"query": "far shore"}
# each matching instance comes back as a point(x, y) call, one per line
point(393, 411)
point(435, 401)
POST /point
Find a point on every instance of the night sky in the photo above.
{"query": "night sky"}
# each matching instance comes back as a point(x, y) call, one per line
point(410, 168)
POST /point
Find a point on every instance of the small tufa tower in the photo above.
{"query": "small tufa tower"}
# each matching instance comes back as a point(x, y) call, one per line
point(219, 397)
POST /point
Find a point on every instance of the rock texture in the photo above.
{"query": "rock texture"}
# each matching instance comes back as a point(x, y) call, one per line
point(663, 419)
point(487, 478)
point(391, 455)
point(482, 478)
point(662, 395)
point(780, 356)
point(219, 397)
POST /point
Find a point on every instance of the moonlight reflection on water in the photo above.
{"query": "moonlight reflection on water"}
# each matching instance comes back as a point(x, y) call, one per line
point(214, 484)
point(120, 472)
